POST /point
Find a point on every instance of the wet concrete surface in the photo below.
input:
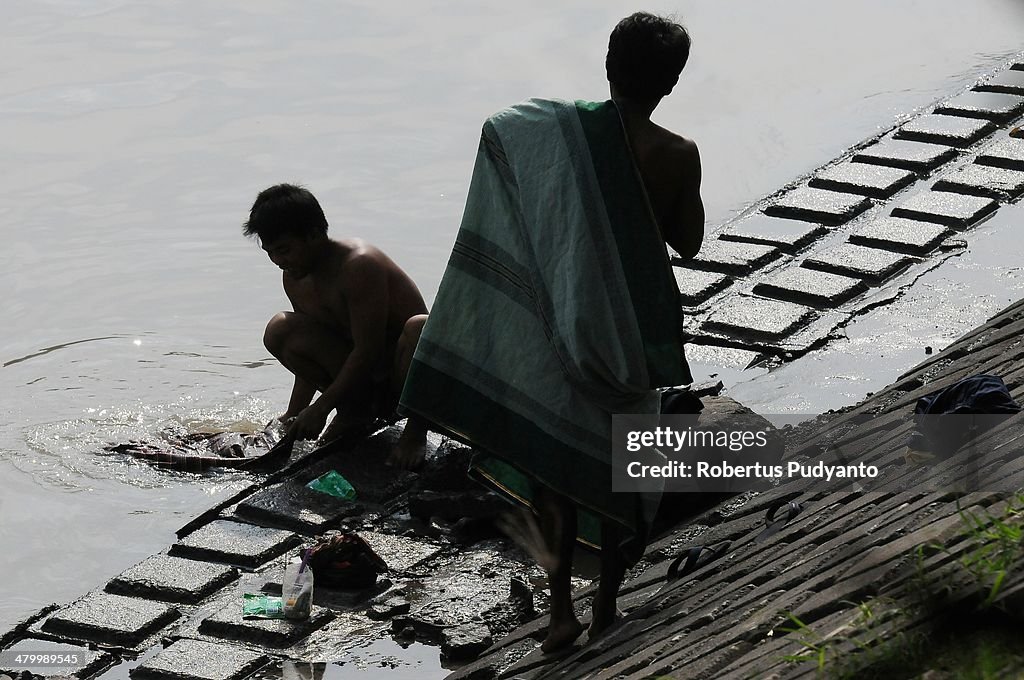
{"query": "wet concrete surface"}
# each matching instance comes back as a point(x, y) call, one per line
point(295, 507)
point(109, 619)
point(194, 659)
point(809, 287)
point(1009, 81)
point(89, 661)
point(818, 205)
point(942, 129)
point(983, 180)
point(696, 286)
point(909, 155)
point(730, 257)
point(759, 318)
point(954, 210)
point(996, 106)
point(787, 235)
point(172, 579)
point(245, 545)
point(900, 235)
point(861, 178)
point(869, 264)
point(1005, 153)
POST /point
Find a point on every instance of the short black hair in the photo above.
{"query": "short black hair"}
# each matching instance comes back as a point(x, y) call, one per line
point(285, 209)
point(646, 54)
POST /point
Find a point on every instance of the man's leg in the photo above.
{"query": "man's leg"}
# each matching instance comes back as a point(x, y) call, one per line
point(603, 610)
point(409, 449)
point(310, 351)
point(558, 525)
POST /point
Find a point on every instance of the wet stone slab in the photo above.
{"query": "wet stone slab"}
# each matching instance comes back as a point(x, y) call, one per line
point(730, 257)
point(787, 235)
point(697, 286)
point(870, 264)
point(172, 579)
point(198, 660)
point(279, 633)
point(995, 106)
point(293, 506)
point(903, 236)
point(110, 619)
point(940, 129)
point(399, 552)
point(953, 210)
point(876, 181)
point(983, 180)
point(757, 318)
point(364, 466)
point(89, 661)
point(818, 205)
point(1007, 82)
point(900, 153)
point(235, 543)
point(809, 287)
point(1006, 153)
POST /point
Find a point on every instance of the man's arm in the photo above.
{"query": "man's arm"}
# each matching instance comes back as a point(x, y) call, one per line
point(302, 395)
point(686, 230)
point(364, 283)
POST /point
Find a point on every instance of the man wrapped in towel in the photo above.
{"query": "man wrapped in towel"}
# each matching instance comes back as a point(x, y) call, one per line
point(558, 307)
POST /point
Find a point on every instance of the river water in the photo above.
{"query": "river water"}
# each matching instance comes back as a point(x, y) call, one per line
point(137, 134)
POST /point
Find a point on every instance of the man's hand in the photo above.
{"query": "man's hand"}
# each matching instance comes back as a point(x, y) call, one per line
point(309, 423)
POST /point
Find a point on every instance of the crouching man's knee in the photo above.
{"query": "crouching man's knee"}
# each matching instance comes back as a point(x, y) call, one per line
point(276, 333)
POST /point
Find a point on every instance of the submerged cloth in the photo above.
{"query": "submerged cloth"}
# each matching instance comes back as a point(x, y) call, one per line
point(558, 309)
point(978, 395)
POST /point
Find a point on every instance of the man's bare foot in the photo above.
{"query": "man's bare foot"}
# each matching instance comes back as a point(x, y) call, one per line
point(561, 634)
point(409, 450)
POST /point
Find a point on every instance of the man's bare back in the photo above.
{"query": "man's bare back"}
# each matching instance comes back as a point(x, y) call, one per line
point(670, 168)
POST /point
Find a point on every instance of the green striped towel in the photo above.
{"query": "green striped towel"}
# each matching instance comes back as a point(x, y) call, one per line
point(558, 309)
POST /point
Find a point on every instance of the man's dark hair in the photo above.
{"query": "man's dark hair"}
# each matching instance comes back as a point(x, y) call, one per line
point(285, 209)
point(646, 54)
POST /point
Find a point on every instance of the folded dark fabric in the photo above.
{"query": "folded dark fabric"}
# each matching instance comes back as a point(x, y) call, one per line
point(941, 432)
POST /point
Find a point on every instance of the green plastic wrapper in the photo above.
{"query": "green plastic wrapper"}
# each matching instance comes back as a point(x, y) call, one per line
point(259, 606)
point(334, 484)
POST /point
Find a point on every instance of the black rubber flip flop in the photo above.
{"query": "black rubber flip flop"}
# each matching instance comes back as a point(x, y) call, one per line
point(774, 525)
point(695, 558)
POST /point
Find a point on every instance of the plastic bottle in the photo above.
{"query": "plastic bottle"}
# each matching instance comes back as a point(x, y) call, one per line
point(297, 588)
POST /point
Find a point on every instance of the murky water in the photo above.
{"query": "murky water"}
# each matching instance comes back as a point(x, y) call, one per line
point(137, 134)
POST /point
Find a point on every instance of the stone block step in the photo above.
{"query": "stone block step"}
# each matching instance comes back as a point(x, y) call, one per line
point(908, 155)
point(228, 624)
point(295, 507)
point(939, 129)
point(868, 264)
point(985, 181)
point(1007, 82)
point(730, 257)
point(172, 579)
point(952, 210)
point(110, 619)
point(810, 287)
point(787, 235)
point(235, 543)
point(818, 205)
point(912, 237)
point(996, 106)
point(1006, 153)
point(696, 287)
point(758, 318)
point(875, 181)
point(197, 660)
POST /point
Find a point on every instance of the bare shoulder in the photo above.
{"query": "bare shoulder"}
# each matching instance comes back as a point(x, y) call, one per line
point(681, 149)
point(360, 263)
